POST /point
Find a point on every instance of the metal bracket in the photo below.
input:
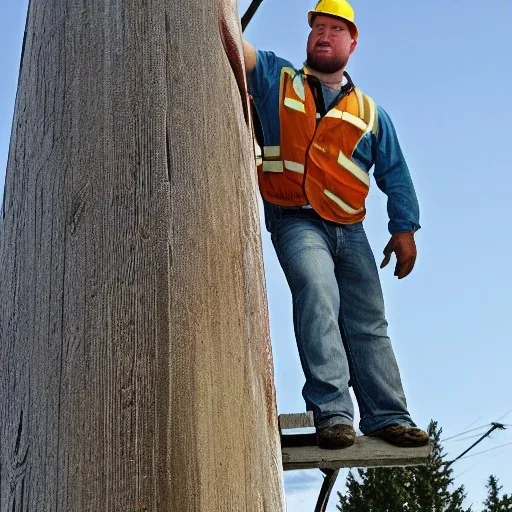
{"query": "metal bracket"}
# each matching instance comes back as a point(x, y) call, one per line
point(330, 479)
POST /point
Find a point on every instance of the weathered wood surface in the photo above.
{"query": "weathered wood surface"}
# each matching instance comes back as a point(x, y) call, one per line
point(366, 452)
point(296, 420)
point(135, 365)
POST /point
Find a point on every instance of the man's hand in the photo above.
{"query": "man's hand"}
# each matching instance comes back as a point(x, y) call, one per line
point(404, 247)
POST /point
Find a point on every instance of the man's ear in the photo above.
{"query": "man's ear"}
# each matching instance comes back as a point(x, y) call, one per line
point(353, 45)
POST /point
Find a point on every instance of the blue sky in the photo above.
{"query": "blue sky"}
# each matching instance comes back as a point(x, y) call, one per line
point(442, 70)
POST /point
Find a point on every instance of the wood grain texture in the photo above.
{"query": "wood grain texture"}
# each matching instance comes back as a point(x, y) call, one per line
point(296, 420)
point(367, 452)
point(135, 364)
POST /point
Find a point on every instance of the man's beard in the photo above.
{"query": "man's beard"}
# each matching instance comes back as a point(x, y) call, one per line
point(325, 64)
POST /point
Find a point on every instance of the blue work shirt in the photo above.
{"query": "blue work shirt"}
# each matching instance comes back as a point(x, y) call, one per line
point(380, 151)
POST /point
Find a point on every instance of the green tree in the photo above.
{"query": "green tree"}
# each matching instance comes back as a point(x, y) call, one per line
point(493, 502)
point(376, 490)
point(417, 489)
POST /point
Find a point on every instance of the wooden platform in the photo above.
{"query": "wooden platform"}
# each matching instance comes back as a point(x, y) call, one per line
point(366, 452)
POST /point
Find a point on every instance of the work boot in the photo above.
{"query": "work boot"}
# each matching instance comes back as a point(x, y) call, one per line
point(335, 437)
point(403, 436)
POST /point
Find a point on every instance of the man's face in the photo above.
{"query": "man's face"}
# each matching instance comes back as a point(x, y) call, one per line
point(329, 44)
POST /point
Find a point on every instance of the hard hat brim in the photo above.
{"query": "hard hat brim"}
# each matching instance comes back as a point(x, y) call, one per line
point(353, 28)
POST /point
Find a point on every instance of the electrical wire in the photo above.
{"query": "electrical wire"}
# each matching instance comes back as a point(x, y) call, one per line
point(495, 426)
point(456, 440)
point(473, 422)
point(464, 472)
point(485, 451)
point(504, 415)
point(478, 428)
point(466, 432)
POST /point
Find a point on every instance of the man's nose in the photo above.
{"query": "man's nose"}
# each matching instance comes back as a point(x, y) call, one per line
point(324, 36)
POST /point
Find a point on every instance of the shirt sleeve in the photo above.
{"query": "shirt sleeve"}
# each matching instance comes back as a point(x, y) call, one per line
point(393, 178)
point(265, 74)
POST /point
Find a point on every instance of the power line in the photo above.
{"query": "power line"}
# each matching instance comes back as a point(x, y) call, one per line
point(465, 471)
point(464, 438)
point(473, 422)
point(485, 451)
point(477, 428)
point(494, 427)
point(504, 415)
point(466, 432)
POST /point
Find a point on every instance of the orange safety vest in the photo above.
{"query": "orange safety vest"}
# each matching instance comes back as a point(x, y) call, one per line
point(313, 165)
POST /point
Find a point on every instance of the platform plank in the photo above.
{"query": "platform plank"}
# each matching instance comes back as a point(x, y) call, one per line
point(367, 452)
point(296, 420)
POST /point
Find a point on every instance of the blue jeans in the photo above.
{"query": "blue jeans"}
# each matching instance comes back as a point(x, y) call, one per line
point(339, 321)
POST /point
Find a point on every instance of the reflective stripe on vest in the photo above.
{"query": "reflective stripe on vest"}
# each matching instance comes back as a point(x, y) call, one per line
point(270, 166)
point(347, 116)
point(271, 151)
point(342, 204)
point(257, 153)
point(372, 121)
point(294, 166)
point(294, 104)
point(278, 165)
point(360, 102)
point(352, 167)
point(271, 159)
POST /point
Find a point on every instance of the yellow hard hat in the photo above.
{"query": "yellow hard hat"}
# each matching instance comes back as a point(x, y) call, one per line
point(338, 8)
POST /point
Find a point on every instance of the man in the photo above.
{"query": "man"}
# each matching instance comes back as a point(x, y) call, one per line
point(321, 136)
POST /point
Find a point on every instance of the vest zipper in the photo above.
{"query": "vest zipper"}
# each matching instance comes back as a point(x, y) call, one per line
point(315, 90)
point(318, 88)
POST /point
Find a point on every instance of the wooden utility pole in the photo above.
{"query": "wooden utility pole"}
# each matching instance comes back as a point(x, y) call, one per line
point(135, 365)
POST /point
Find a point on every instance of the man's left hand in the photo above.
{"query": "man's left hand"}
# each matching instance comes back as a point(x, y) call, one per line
point(404, 247)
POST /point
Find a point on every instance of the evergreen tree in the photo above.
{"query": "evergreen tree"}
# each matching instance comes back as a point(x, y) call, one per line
point(376, 490)
point(493, 502)
point(417, 489)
